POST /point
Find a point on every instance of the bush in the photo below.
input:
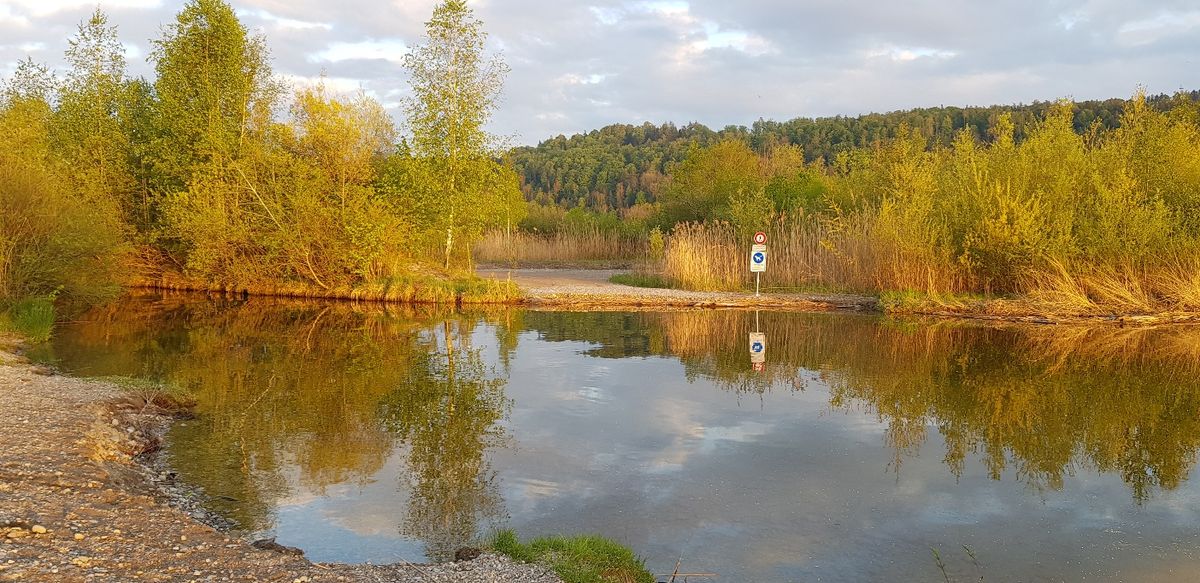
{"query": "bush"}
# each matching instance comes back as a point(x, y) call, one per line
point(32, 318)
point(51, 242)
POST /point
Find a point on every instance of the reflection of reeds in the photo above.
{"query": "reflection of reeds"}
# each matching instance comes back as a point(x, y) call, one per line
point(1034, 400)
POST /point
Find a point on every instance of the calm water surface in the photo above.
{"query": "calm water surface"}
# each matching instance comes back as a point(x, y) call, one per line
point(369, 434)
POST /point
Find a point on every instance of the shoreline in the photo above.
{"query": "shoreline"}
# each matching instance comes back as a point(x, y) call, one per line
point(82, 497)
point(553, 289)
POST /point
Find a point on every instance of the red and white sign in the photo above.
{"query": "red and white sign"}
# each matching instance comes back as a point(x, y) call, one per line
point(760, 238)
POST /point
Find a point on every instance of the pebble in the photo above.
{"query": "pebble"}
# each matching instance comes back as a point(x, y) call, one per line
point(38, 529)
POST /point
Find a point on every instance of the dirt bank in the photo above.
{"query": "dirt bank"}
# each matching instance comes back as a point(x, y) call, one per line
point(77, 505)
point(590, 289)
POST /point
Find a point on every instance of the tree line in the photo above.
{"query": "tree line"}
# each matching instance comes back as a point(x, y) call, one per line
point(621, 165)
point(195, 172)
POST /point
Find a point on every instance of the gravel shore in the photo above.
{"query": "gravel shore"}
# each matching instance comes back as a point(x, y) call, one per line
point(591, 289)
point(76, 504)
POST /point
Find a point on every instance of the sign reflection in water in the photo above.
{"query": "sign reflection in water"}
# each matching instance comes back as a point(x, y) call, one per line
point(364, 433)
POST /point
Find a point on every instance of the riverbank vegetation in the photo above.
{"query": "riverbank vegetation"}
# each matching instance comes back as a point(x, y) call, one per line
point(244, 184)
point(578, 559)
point(1065, 218)
point(196, 178)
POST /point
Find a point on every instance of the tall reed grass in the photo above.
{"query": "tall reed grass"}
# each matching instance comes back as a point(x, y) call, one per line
point(586, 247)
point(852, 255)
point(804, 255)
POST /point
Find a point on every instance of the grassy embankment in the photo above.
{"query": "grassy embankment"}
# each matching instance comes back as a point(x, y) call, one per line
point(431, 288)
point(578, 559)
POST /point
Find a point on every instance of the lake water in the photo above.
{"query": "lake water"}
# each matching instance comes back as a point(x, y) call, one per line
point(371, 434)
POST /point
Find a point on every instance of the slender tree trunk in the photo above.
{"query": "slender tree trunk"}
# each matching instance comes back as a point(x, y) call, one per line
point(449, 239)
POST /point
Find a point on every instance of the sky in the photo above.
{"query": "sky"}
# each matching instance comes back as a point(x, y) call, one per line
point(579, 65)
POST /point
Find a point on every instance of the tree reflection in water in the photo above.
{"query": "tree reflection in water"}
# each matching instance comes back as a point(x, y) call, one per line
point(301, 396)
point(331, 390)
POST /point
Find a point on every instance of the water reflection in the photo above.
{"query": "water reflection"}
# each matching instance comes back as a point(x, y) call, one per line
point(445, 425)
point(1041, 399)
point(323, 395)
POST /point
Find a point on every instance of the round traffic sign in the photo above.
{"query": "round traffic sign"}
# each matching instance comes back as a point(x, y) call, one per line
point(760, 238)
point(760, 257)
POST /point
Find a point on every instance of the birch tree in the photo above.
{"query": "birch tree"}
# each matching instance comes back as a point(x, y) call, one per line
point(455, 91)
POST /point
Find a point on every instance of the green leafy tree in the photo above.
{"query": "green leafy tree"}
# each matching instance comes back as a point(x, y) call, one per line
point(214, 89)
point(456, 87)
point(212, 117)
point(88, 132)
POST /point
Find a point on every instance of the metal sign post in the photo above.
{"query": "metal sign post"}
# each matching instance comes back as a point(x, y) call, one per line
point(758, 259)
point(758, 264)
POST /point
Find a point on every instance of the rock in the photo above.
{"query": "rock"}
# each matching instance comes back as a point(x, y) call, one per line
point(13, 522)
point(467, 554)
point(269, 544)
point(78, 536)
point(38, 529)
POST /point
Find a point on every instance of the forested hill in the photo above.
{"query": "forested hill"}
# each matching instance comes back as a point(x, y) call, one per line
point(620, 165)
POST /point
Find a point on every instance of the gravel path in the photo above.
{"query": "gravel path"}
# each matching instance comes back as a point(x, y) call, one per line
point(591, 289)
point(76, 506)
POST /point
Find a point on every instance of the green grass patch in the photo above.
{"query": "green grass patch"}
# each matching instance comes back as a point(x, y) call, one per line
point(438, 289)
point(32, 318)
point(636, 279)
point(577, 559)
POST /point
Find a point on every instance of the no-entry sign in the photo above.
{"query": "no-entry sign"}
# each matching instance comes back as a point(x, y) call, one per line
point(760, 238)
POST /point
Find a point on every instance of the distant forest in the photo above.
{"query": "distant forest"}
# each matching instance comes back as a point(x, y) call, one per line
point(621, 165)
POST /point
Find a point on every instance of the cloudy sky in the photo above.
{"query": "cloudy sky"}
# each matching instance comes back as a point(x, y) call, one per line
point(581, 64)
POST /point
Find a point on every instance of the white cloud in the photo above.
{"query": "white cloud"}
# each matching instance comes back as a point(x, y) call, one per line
point(42, 8)
point(582, 64)
point(386, 49)
point(1152, 30)
point(908, 54)
point(336, 85)
point(8, 16)
point(281, 23)
point(577, 79)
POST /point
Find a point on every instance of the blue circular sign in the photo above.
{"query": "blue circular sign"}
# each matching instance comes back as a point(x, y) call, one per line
point(757, 347)
point(759, 257)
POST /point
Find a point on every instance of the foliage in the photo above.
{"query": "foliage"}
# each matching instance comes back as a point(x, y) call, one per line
point(578, 559)
point(456, 88)
point(32, 318)
point(199, 173)
point(621, 165)
point(1109, 215)
point(50, 240)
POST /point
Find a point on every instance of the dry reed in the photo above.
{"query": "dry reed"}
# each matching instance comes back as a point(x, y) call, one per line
point(589, 247)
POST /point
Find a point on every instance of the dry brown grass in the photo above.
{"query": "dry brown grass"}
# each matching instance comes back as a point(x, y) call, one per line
point(1089, 289)
point(851, 256)
point(848, 256)
point(588, 247)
